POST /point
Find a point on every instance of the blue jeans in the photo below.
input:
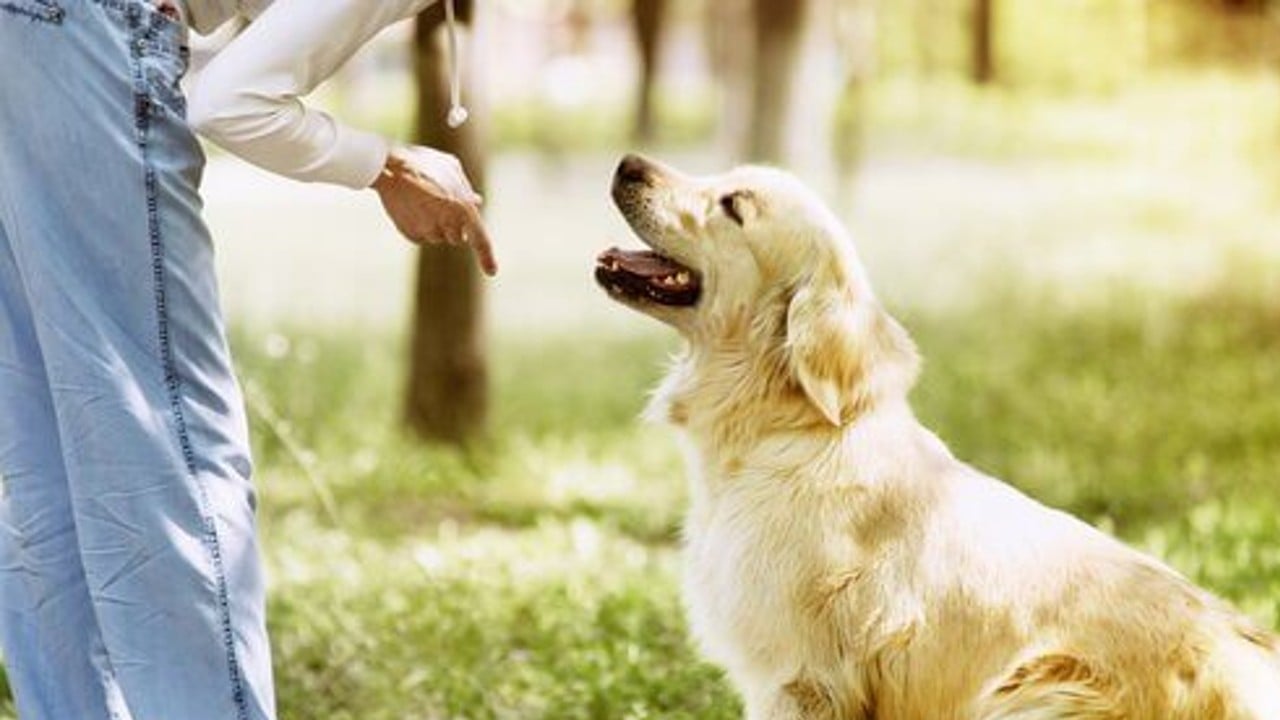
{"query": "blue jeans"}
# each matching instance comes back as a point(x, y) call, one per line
point(130, 581)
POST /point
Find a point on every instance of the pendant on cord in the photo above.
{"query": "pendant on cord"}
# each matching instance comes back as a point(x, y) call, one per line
point(457, 113)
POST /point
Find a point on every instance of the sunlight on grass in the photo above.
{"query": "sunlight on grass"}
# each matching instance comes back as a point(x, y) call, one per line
point(564, 620)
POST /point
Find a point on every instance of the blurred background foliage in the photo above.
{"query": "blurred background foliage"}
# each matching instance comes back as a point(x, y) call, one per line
point(572, 82)
point(1082, 231)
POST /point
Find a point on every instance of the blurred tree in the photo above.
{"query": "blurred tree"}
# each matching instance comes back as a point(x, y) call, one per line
point(447, 394)
point(855, 35)
point(779, 30)
point(1245, 5)
point(925, 16)
point(728, 35)
point(984, 51)
point(649, 19)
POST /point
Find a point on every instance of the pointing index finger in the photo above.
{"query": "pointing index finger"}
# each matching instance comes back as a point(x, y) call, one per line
point(478, 237)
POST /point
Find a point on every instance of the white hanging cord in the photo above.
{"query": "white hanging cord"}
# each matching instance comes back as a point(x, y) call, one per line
point(457, 113)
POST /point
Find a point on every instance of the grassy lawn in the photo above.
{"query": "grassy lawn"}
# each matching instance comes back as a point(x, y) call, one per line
point(536, 577)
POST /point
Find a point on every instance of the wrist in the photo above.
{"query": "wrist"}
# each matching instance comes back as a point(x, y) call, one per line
point(392, 168)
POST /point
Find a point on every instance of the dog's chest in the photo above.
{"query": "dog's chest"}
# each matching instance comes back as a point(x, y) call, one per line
point(748, 558)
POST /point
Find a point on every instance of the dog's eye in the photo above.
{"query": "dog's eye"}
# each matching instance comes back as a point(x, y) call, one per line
point(730, 205)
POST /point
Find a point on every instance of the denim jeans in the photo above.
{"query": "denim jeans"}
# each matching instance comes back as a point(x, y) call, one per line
point(130, 581)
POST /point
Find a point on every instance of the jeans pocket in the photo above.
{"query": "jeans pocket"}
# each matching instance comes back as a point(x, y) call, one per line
point(39, 10)
point(157, 49)
point(162, 15)
point(160, 45)
point(163, 73)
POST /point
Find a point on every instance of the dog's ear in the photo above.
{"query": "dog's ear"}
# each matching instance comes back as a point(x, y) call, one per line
point(820, 344)
point(845, 352)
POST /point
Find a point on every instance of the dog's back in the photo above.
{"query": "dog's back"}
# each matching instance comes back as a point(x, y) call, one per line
point(1030, 613)
point(1249, 667)
point(1206, 668)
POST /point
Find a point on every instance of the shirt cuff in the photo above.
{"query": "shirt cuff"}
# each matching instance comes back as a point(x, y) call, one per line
point(358, 158)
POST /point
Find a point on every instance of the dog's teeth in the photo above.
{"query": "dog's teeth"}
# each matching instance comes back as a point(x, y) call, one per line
point(682, 278)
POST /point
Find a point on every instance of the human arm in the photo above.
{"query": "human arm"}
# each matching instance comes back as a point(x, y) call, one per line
point(248, 98)
point(248, 101)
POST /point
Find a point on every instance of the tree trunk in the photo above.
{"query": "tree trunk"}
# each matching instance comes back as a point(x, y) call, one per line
point(649, 18)
point(448, 393)
point(928, 17)
point(779, 29)
point(728, 35)
point(984, 51)
point(855, 24)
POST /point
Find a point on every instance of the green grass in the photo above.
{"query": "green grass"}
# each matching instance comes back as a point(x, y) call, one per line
point(530, 577)
point(535, 576)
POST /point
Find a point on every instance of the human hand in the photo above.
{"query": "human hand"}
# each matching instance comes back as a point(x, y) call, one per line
point(427, 195)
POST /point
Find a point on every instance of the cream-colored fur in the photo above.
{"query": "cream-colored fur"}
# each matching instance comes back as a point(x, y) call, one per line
point(841, 564)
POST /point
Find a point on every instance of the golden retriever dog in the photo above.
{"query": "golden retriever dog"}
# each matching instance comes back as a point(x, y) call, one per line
point(840, 563)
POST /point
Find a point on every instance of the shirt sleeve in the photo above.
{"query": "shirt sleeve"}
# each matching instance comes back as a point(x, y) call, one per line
point(248, 101)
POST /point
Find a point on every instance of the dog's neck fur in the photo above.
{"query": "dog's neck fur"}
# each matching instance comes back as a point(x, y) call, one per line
point(735, 388)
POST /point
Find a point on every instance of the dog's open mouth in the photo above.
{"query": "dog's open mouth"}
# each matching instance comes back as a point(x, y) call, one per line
point(645, 275)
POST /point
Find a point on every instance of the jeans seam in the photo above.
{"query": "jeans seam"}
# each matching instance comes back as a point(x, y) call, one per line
point(172, 379)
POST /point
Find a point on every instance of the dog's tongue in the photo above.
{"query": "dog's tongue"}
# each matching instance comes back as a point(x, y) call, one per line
point(645, 263)
point(648, 276)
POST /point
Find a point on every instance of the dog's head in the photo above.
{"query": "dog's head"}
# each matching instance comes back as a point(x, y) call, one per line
point(754, 259)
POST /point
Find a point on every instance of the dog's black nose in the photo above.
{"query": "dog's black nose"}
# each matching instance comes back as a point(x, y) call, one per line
point(632, 169)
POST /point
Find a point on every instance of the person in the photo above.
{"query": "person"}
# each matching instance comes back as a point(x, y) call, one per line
point(130, 581)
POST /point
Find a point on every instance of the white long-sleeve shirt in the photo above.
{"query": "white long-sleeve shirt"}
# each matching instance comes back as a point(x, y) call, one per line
point(248, 98)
